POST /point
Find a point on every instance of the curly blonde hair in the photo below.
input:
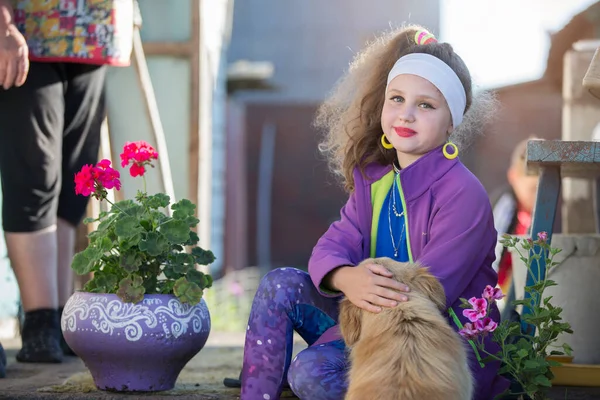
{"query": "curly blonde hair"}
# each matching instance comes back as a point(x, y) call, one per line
point(351, 116)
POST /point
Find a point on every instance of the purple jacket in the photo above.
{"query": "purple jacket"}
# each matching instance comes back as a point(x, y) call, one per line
point(450, 229)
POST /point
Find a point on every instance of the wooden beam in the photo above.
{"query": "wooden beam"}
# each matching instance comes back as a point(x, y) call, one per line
point(194, 135)
point(153, 115)
point(172, 49)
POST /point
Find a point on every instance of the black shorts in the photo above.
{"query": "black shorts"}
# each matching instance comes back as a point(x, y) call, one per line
point(49, 128)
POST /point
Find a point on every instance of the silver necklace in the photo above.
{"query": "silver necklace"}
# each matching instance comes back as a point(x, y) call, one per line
point(394, 190)
point(396, 247)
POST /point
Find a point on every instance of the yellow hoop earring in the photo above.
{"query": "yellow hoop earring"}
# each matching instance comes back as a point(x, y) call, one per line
point(385, 143)
point(454, 154)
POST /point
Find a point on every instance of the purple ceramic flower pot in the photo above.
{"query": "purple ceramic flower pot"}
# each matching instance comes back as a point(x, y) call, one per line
point(134, 347)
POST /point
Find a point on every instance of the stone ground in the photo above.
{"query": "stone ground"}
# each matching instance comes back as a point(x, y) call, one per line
point(201, 379)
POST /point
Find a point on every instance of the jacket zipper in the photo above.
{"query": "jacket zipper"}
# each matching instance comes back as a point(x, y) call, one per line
point(408, 247)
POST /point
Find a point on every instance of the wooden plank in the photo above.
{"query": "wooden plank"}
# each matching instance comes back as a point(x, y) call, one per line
point(151, 108)
point(575, 159)
point(194, 134)
point(172, 49)
point(543, 220)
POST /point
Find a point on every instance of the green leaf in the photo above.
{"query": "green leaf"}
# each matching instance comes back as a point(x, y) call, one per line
point(155, 244)
point(531, 365)
point(84, 262)
point(90, 286)
point(166, 287)
point(183, 209)
point(542, 381)
point(105, 245)
point(130, 242)
point(181, 262)
point(203, 257)
point(198, 277)
point(131, 289)
point(531, 389)
point(89, 220)
point(503, 370)
point(193, 240)
point(187, 292)
point(81, 264)
point(554, 363)
point(105, 282)
point(150, 284)
point(464, 303)
point(568, 350)
point(107, 223)
point(157, 201)
point(526, 302)
point(176, 231)
point(550, 283)
point(130, 261)
point(170, 272)
point(146, 224)
point(191, 221)
point(127, 227)
point(522, 353)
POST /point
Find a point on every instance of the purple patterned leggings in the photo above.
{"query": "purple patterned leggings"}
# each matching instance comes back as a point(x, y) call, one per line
point(286, 300)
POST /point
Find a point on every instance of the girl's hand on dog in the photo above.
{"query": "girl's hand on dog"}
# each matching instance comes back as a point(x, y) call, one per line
point(369, 286)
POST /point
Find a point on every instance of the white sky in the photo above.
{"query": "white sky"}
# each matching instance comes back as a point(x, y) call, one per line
point(505, 42)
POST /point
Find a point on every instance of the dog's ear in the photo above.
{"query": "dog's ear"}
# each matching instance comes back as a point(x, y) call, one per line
point(430, 286)
point(350, 321)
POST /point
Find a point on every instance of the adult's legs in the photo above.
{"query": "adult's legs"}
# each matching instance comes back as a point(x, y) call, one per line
point(31, 126)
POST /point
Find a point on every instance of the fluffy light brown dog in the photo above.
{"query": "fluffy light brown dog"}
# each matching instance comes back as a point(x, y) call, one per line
point(409, 351)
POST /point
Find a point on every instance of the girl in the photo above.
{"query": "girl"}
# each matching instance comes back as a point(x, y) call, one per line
point(410, 198)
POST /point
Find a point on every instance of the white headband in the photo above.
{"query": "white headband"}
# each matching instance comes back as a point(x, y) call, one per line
point(440, 75)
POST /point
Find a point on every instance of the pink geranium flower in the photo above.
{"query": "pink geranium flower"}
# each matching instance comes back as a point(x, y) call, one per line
point(478, 311)
point(491, 294)
point(138, 154)
point(542, 236)
point(486, 325)
point(469, 331)
point(107, 176)
point(94, 180)
point(85, 180)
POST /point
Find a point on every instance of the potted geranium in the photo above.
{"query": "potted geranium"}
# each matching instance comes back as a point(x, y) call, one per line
point(526, 357)
point(141, 317)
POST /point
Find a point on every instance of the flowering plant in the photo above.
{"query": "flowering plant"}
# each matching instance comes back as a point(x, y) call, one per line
point(523, 355)
point(137, 249)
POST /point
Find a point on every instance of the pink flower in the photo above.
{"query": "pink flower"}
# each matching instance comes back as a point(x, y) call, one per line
point(486, 325)
point(138, 154)
point(491, 294)
point(85, 180)
point(236, 289)
point(107, 176)
point(95, 180)
point(469, 331)
point(478, 311)
point(137, 170)
point(542, 236)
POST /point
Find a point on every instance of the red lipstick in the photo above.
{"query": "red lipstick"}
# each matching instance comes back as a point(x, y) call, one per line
point(404, 132)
